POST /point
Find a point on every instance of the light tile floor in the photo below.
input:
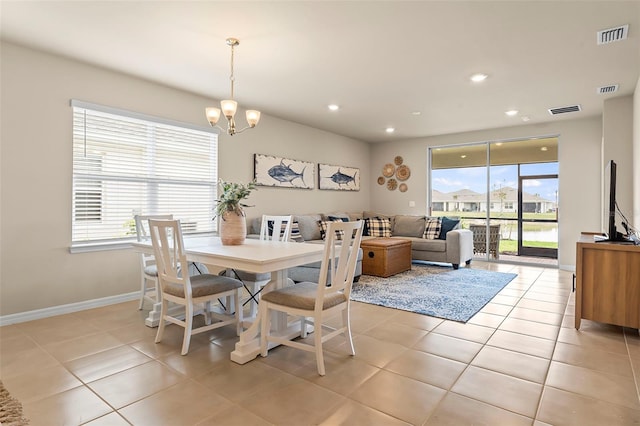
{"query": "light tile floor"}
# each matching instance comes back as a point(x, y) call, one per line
point(519, 361)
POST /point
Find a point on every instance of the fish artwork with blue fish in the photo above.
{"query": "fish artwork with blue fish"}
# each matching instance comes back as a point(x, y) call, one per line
point(283, 173)
point(342, 178)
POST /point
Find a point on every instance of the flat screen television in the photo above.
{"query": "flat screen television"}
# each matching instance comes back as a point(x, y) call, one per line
point(611, 206)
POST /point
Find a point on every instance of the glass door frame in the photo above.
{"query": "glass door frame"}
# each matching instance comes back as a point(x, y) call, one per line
point(533, 251)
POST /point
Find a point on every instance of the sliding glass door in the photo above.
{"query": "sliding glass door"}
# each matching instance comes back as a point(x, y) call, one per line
point(538, 214)
point(505, 192)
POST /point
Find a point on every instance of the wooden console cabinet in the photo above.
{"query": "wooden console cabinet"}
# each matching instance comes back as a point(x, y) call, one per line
point(607, 283)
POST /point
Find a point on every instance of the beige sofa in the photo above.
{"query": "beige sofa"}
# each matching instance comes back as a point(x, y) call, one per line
point(454, 246)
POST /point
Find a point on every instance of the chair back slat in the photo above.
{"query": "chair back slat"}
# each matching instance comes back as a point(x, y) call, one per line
point(339, 260)
point(168, 248)
point(142, 224)
point(143, 234)
point(281, 226)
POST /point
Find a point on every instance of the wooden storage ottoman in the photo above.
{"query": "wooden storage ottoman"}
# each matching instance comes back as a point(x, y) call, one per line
point(384, 257)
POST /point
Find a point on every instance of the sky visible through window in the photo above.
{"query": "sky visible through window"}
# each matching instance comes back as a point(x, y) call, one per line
point(474, 179)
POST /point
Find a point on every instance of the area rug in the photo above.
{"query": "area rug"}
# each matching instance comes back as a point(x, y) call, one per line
point(10, 409)
point(437, 291)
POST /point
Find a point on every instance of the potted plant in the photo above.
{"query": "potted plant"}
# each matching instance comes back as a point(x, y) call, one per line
point(229, 207)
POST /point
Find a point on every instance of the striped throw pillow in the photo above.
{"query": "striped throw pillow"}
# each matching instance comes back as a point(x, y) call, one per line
point(295, 231)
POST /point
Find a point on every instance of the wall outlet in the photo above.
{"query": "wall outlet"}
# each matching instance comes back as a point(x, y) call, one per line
point(412, 203)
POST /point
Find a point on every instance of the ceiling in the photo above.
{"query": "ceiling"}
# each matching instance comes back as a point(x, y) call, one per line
point(381, 61)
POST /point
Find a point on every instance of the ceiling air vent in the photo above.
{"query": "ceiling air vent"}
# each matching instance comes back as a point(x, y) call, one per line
point(613, 34)
point(564, 110)
point(607, 89)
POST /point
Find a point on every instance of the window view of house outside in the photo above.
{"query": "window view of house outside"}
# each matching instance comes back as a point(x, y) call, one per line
point(477, 193)
point(125, 164)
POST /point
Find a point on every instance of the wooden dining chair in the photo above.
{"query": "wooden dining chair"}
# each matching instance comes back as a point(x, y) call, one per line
point(315, 302)
point(189, 291)
point(149, 287)
point(273, 228)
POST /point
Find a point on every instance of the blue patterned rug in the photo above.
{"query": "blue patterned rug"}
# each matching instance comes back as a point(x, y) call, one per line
point(433, 290)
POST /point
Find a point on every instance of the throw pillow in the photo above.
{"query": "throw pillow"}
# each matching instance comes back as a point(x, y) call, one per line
point(338, 218)
point(295, 231)
point(446, 226)
point(324, 226)
point(408, 226)
point(296, 236)
point(432, 228)
point(377, 227)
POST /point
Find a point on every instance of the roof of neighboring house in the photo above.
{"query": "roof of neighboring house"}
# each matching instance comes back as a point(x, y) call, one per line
point(469, 196)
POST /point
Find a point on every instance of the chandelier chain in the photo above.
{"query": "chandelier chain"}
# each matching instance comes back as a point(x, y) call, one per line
point(231, 76)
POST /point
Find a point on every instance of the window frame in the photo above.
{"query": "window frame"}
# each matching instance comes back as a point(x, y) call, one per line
point(80, 212)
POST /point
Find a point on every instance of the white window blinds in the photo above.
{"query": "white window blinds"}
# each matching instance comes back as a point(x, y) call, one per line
point(126, 163)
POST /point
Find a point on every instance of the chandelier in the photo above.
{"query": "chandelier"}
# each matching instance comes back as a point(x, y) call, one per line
point(229, 106)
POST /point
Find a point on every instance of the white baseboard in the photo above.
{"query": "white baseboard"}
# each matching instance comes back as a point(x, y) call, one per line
point(66, 309)
point(570, 268)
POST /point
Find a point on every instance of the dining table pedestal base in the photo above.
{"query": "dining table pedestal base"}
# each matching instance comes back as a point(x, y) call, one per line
point(248, 346)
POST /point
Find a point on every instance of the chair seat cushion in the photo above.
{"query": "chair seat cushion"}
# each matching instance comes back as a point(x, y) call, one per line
point(253, 277)
point(302, 296)
point(203, 285)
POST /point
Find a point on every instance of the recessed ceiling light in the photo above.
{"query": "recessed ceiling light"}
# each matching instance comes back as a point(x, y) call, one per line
point(544, 148)
point(526, 118)
point(512, 112)
point(463, 156)
point(389, 130)
point(477, 78)
point(415, 113)
point(334, 107)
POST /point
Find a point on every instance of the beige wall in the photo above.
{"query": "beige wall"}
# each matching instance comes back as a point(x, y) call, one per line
point(635, 186)
point(579, 175)
point(36, 269)
point(617, 145)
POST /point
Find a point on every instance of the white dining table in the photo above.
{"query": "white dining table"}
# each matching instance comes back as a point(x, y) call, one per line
point(253, 256)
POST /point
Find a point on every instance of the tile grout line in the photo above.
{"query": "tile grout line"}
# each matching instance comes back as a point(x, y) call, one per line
point(449, 391)
point(633, 370)
point(546, 376)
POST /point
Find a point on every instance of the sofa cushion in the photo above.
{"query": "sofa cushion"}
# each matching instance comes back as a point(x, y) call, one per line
point(447, 224)
point(434, 245)
point(253, 227)
point(378, 226)
point(408, 226)
point(309, 228)
point(432, 228)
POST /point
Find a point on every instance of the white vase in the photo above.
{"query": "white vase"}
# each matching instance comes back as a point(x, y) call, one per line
point(233, 229)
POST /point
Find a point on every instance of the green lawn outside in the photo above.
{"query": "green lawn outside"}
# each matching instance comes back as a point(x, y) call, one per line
point(512, 245)
point(509, 227)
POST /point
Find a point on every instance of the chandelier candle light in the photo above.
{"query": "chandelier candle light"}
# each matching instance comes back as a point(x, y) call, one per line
point(229, 106)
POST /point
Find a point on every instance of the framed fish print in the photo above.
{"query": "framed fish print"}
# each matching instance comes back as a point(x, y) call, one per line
point(339, 178)
point(283, 172)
